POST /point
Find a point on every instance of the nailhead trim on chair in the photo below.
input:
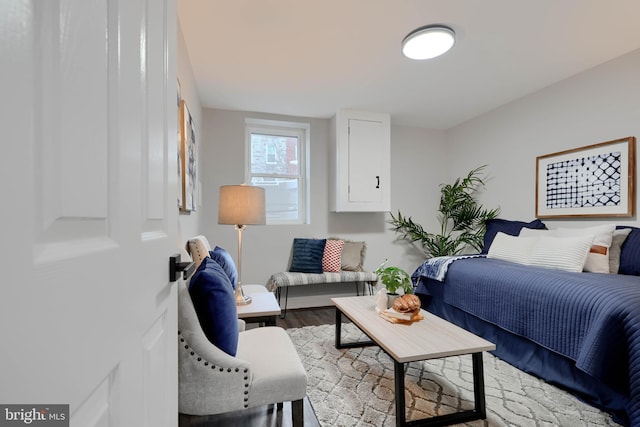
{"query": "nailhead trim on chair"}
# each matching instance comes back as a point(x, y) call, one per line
point(192, 353)
point(246, 392)
point(229, 370)
point(221, 369)
point(198, 255)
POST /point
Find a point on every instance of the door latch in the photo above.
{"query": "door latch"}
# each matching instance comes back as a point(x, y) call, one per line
point(175, 267)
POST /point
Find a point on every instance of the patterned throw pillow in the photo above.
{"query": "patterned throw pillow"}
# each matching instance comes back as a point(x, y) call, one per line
point(332, 259)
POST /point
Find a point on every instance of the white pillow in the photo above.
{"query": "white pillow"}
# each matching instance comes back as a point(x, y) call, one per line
point(598, 257)
point(511, 248)
point(531, 232)
point(562, 253)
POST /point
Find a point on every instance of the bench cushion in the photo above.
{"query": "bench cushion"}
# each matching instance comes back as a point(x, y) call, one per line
point(295, 279)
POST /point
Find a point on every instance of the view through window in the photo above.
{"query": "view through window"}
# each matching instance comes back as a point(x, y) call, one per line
point(277, 163)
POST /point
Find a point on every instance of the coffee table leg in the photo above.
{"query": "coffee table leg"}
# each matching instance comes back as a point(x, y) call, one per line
point(401, 417)
point(339, 343)
point(338, 327)
point(478, 385)
point(479, 411)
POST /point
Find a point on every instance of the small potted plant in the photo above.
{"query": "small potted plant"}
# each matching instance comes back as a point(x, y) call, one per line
point(393, 279)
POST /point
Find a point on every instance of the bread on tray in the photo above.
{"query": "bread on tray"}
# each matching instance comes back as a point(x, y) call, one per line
point(406, 303)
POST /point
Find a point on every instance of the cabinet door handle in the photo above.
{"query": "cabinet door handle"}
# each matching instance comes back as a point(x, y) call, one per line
point(378, 178)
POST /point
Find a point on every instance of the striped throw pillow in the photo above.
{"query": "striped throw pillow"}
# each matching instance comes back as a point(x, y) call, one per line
point(562, 253)
point(511, 248)
point(307, 255)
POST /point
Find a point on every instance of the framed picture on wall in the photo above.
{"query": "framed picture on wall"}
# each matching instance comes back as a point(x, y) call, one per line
point(179, 144)
point(188, 161)
point(592, 181)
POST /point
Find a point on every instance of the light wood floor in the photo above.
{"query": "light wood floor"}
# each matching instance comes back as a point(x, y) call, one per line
point(268, 416)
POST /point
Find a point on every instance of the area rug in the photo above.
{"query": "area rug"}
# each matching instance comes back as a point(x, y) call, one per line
point(355, 387)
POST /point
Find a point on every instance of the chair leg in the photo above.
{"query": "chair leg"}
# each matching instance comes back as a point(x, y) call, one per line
point(297, 413)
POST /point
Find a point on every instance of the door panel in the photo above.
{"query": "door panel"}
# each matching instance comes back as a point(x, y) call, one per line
point(71, 192)
point(94, 411)
point(87, 314)
point(365, 160)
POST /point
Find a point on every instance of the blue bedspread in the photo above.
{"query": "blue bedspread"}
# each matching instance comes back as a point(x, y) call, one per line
point(591, 318)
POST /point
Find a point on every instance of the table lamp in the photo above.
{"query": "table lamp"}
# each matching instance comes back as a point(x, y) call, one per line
point(241, 205)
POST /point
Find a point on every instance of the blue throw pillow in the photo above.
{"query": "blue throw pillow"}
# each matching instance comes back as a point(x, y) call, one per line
point(307, 255)
point(215, 304)
point(512, 228)
point(630, 253)
point(224, 260)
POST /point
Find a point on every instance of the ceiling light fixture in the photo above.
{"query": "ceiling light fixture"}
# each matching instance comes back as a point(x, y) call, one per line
point(428, 42)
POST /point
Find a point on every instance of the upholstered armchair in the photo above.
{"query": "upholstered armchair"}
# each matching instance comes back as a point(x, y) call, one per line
point(266, 368)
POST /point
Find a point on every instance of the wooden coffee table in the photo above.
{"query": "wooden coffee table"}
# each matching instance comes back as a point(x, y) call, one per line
point(431, 338)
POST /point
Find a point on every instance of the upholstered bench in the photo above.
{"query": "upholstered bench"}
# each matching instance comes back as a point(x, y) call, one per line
point(289, 278)
point(322, 261)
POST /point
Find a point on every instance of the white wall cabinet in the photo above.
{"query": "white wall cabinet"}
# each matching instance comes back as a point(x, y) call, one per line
point(360, 167)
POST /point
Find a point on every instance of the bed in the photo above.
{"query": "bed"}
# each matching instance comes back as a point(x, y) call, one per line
point(577, 330)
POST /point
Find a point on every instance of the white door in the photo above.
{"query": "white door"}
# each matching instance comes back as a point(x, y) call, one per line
point(87, 313)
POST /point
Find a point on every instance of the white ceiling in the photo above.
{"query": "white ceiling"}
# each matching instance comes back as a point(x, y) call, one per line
point(312, 57)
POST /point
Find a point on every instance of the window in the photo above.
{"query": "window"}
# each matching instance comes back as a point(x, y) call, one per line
point(277, 161)
point(271, 154)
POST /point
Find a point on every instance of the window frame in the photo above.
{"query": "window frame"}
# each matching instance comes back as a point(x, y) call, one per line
point(283, 128)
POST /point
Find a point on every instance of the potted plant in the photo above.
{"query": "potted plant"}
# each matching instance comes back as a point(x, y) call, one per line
point(462, 219)
point(393, 279)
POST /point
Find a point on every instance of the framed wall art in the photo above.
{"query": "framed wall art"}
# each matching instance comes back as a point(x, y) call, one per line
point(179, 143)
point(188, 161)
point(592, 181)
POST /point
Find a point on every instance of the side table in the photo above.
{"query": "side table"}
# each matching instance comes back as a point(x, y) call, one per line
point(264, 308)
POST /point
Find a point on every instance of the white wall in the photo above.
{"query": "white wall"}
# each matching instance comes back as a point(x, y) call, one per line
point(601, 104)
point(188, 223)
point(417, 167)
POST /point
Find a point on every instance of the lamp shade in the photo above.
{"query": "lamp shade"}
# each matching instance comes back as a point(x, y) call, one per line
point(241, 205)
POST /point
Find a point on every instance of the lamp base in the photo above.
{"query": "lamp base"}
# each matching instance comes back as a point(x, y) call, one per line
point(243, 300)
